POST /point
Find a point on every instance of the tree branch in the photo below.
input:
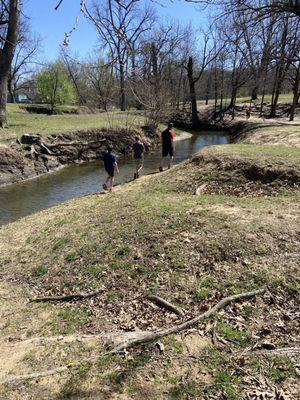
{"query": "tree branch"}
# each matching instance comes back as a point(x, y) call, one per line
point(140, 338)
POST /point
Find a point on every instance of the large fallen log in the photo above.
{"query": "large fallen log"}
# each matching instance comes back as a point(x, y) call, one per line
point(140, 339)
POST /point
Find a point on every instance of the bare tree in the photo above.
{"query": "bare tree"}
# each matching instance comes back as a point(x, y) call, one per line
point(209, 52)
point(159, 59)
point(75, 70)
point(285, 53)
point(9, 28)
point(120, 25)
point(258, 8)
point(27, 48)
point(101, 83)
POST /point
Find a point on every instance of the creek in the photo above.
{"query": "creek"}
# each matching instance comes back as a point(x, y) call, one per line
point(76, 180)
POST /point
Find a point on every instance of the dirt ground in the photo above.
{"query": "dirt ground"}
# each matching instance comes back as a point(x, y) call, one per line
point(222, 223)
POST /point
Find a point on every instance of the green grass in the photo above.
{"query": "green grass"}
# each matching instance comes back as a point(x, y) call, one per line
point(283, 98)
point(230, 333)
point(265, 153)
point(72, 387)
point(68, 321)
point(188, 390)
point(21, 121)
point(150, 236)
point(39, 271)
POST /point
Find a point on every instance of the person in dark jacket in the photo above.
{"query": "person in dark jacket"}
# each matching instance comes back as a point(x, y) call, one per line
point(111, 166)
point(168, 146)
point(138, 152)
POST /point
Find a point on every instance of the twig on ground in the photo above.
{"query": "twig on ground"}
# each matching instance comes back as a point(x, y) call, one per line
point(214, 335)
point(165, 304)
point(69, 297)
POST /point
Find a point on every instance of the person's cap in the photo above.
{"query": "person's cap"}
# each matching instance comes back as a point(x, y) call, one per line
point(170, 125)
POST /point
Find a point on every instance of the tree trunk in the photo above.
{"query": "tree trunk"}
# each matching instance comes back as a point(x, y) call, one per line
point(193, 97)
point(3, 97)
point(122, 87)
point(11, 89)
point(281, 68)
point(254, 93)
point(7, 54)
point(157, 104)
point(179, 89)
point(215, 88)
point(275, 93)
point(296, 93)
point(263, 91)
point(222, 90)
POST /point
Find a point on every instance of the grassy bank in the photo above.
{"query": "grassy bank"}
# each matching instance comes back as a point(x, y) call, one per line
point(20, 121)
point(270, 132)
point(225, 222)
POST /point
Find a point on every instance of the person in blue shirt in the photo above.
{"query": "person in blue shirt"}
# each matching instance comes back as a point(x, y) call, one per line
point(110, 165)
point(138, 149)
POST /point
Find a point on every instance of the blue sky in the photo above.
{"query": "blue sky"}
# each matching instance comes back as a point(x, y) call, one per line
point(51, 25)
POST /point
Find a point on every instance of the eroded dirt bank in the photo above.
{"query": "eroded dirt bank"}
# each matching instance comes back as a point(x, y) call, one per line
point(33, 155)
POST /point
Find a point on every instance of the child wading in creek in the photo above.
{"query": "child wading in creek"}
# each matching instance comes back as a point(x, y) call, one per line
point(110, 165)
point(168, 146)
point(138, 153)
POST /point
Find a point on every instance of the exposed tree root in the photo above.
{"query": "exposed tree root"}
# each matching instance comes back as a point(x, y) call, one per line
point(186, 324)
point(140, 339)
point(165, 304)
point(69, 297)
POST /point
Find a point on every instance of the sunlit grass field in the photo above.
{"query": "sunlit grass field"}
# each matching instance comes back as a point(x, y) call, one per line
point(283, 98)
point(20, 121)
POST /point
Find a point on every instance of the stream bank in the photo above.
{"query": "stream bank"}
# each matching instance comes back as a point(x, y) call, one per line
point(76, 180)
point(256, 130)
point(33, 155)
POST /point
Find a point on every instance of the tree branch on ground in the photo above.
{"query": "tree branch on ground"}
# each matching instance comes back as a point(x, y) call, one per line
point(140, 339)
point(69, 297)
point(165, 304)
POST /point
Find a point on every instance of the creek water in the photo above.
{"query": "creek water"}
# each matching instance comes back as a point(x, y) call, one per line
point(21, 199)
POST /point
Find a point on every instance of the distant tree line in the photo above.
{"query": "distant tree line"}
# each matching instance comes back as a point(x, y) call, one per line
point(158, 65)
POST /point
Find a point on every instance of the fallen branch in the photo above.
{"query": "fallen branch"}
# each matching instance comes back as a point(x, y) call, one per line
point(107, 338)
point(290, 352)
point(34, 375)
point(153, 336)
point(69, 297)
point(141, 338)
point(165, 304)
